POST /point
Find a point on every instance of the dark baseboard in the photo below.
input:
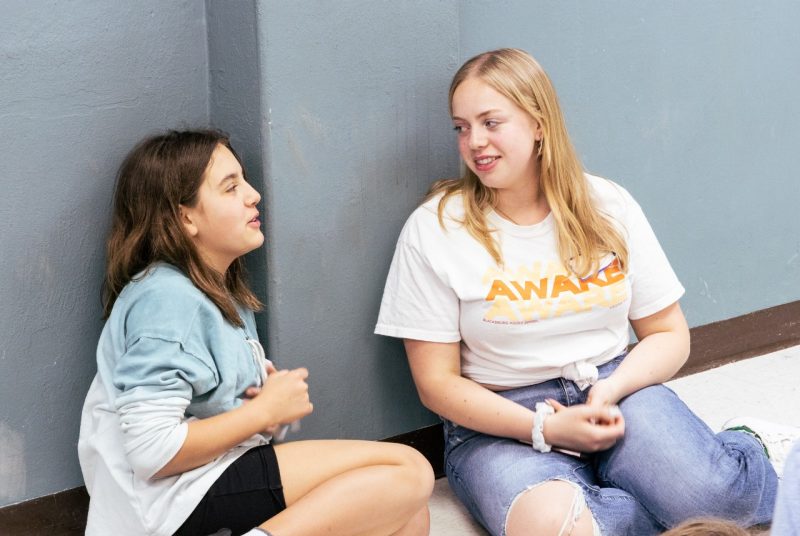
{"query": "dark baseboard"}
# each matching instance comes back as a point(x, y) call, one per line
point(60, 514)
point(758, 333)
point(713, 345)
point(429, 441)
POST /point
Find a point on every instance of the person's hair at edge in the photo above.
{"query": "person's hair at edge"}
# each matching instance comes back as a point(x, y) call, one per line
point(706, 527)
point(161, 173)
point(585, 235)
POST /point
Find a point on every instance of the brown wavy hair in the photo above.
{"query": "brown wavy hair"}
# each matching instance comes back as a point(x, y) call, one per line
point(584, 234)
point(160, 174)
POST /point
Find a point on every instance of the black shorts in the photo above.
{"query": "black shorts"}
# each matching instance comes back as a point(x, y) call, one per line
point(248, 493)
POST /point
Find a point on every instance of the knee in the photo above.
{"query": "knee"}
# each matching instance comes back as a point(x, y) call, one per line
point(554, 508)
point(417, 473)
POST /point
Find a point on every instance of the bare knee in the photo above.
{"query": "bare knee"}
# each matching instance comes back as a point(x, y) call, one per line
point(553, 508)
point(421, 472)
point(416, 474)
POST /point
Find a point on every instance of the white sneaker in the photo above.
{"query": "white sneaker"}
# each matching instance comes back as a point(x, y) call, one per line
point(777, 439)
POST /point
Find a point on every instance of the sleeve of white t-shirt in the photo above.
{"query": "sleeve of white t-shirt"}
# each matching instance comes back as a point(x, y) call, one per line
point(417, 303)
point(653, 282)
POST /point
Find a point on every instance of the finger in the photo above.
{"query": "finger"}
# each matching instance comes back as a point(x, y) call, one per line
point(252, 391)
point(556, 404)
point(613, 430)
point(271, 368)
point(302, 372)
point(613, 415)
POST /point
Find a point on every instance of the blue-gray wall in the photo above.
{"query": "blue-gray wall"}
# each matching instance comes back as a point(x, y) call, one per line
point(339, 111)
point(692, 106)
point(354, 94)
point(235, 105)
point(80, 83)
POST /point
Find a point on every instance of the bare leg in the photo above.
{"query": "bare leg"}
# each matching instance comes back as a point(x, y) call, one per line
point(352, 488)
point(548, 509)
point(418, 525)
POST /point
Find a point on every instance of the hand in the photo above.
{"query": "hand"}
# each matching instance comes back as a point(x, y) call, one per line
point(282, 400)
point(251, 392)
point(583, 428)
point(603, 394)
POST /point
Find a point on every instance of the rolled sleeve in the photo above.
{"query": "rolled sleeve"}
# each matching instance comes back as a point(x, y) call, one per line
point(156, 380)
point(416, 303)
point(653, 281)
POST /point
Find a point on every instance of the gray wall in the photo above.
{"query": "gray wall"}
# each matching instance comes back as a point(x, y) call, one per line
point(693, 107)
point(235, 106)
point(355, 100)
point(80, 83)
point(339, 111)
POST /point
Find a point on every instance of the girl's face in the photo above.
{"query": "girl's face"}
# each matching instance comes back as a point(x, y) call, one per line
point(224, 222)
point(496, 138)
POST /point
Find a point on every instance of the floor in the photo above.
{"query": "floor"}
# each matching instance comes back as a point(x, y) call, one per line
point(766, 386)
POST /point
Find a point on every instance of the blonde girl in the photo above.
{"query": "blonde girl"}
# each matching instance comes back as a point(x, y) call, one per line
point(513, 288)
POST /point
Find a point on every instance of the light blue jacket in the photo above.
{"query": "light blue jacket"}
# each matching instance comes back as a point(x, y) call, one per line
point(168, 339)
point(166, 355)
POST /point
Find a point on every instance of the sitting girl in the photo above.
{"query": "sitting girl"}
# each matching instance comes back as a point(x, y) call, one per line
point(514, 288)
point(175, 432)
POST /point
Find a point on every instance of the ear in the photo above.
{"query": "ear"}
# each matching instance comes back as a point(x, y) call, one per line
point(187, 219)
point(537, 131)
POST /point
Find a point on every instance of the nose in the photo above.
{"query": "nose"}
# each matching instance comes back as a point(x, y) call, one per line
point(253, 197)
point(477, 138)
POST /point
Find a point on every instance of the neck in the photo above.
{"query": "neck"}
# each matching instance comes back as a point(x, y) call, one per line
point(527, 206)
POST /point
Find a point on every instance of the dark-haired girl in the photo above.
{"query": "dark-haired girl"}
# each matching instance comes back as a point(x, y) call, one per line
point(176, 427)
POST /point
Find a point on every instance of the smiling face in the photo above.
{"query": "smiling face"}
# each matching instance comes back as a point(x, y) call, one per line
point(223, 223)
point(496, 138)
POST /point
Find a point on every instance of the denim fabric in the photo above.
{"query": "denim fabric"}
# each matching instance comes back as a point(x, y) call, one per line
point(668, 467)
point(787, 508)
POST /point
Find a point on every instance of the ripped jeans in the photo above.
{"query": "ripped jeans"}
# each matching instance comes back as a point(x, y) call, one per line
point(668, 467)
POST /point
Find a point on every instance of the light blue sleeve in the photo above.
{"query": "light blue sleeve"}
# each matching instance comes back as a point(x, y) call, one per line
point(157, 379)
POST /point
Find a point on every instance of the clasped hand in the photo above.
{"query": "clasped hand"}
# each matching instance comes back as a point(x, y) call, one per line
point(591, 427)
point(283, 398)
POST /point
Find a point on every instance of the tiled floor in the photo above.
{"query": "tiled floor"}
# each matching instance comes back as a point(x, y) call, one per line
point(767, 386)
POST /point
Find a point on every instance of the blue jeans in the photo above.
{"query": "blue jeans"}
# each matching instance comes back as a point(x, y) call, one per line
point(668, 467)
point(787, 514)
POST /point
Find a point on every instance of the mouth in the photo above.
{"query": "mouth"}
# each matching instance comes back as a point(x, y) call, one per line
point(255, 220)
point(484, 163)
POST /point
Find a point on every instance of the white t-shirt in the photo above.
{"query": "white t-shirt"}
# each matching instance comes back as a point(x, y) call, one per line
point(531, 320)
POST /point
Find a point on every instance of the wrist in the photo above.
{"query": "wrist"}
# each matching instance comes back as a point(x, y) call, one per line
point(619, 390)
point(543, 412)
point(255, 418)
point(614, 389)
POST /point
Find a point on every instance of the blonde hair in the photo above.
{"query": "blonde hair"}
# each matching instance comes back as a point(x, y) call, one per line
point(584, 234)
point(708, 526)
